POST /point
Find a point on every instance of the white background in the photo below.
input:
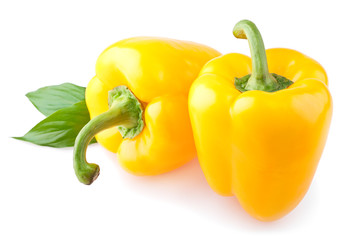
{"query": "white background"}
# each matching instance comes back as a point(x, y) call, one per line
point(45, 43)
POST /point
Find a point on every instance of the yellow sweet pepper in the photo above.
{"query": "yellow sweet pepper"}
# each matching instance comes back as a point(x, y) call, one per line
point(259, 136)
point(138, 105)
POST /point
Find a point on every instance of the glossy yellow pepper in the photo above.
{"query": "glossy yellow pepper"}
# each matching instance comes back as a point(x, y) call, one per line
point(138, 105)
point(259, 136)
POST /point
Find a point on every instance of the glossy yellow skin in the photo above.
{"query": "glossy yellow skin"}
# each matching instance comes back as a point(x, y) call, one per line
point(159, 72)
point(261, 147)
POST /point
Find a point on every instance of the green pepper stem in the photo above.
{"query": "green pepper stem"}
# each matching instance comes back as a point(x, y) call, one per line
point(260, 78)
point(125, 111)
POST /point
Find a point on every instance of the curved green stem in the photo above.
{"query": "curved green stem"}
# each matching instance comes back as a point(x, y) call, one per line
point(125, 112)
point(260, 78)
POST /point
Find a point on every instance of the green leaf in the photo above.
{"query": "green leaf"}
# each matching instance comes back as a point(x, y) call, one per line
point(53, 98)
point(60, 128)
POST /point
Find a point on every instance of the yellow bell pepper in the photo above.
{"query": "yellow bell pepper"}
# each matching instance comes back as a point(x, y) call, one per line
point(259, 136)
point(138, 105)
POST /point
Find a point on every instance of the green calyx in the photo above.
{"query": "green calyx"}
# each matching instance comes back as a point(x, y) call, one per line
point(125, 112)
point(124, 99)
point(260, 78)
point(283, 82)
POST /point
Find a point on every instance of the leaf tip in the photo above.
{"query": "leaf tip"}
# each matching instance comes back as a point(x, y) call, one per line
point(18, 138)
